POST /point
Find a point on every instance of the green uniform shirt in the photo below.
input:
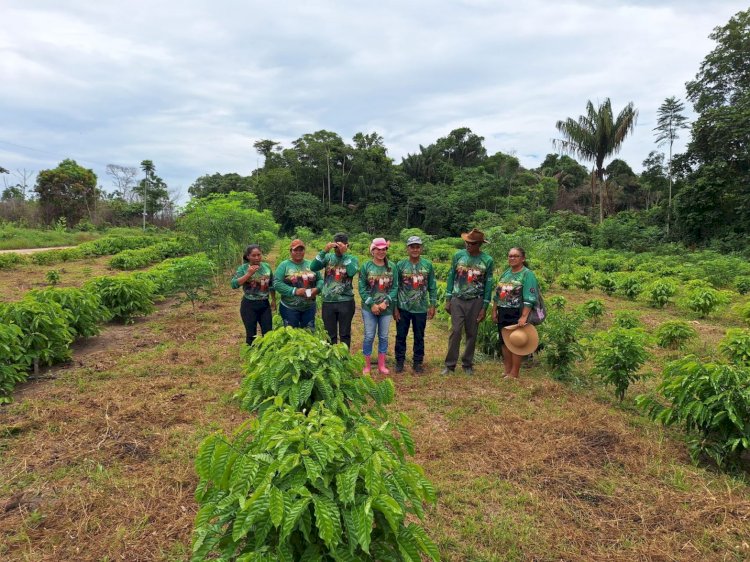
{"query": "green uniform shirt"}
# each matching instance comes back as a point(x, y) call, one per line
point(376, 285)
point(516, 290)
point(415, 282)
point(470, 277)
point(290, 276)
point(338, 273)
point(260, 284)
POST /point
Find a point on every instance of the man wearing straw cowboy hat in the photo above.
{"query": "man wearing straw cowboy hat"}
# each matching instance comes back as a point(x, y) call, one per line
point(467, 297)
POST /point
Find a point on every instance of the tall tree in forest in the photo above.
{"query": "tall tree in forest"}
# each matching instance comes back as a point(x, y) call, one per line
point(595, 136)
point(66, 191)
point(669, 120)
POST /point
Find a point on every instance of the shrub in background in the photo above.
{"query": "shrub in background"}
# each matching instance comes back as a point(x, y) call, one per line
point(627, 319)
point(594, 310)
point(84, 309)
point(560, 336)
point(124, 296)
point(607, 284)
point(618, 356)
point(659, 292)
point(736, 346)
point(742, 284)
point(12, 360)
point(704, 300)
point(674, 334)
point(629, 286)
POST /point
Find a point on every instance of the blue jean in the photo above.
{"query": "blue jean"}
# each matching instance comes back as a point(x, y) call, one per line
point(373, 323)
point(298, 318)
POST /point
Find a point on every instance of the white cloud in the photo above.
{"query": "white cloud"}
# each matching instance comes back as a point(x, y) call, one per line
point(190, 85)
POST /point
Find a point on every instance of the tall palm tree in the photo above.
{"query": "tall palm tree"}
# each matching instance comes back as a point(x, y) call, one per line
point(596, 136)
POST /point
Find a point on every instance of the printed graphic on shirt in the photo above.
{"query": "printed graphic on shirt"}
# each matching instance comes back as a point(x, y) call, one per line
point(470, 279)
point(337, 281)
point(379, 286)
point(257, 284)
point(300, 279)
point(509, 293)
point(412, 289)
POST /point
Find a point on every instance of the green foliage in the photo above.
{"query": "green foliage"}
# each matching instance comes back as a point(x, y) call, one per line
point(143, 257)
point(593, 309)
point(110, 245)
point(674, 334)
point(65, 192)
point(52, 277)
point(736, 346)
point(295, 486)
point(607, 284)
point(659, 292)
point(13, 359)
point(584, 279)
point(557, 302)
point(488, 338)
point(630, 286)
point(627, 319)
point(11, 260)
point(618, 356)
point(711, 402)
point(744, 311)
point(124, 296)
point(192, 277)
point(560, 336)
point(703, 300)
point(300, 369)
point(83, 308)
point(742, 284)
point(46, 334)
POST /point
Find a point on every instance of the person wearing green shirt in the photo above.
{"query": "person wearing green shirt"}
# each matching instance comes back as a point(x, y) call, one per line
point(255, 278)
point(467, 296)
point(416, 295)
point(298, 286)
point(516, 293)
point(378, 292)
point(338, 268)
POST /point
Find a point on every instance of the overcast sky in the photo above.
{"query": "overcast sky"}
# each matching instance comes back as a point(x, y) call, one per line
point(192, 84)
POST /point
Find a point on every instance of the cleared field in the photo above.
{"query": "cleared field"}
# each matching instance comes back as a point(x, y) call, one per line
point(97, 456)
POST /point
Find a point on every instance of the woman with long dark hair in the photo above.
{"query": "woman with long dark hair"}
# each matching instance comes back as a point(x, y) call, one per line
point(259, 298)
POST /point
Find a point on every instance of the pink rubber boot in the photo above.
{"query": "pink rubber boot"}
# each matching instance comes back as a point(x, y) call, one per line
point(366, 368)
point(382, 369)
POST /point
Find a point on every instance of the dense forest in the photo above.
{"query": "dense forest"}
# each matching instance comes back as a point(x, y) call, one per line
point(700, 197)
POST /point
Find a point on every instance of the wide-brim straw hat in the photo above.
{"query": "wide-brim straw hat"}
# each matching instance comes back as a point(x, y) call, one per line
point(521, 340)
point(474, 235)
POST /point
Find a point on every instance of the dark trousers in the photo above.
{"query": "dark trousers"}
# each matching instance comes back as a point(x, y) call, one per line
point(464, 316)
point(298, 318)
point(337, 319)
point(419, 321)
point(254, 313)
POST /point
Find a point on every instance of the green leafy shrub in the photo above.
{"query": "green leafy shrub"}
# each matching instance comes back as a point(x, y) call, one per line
point(191, 277)
point(46, 334)
point(110, 245)
point(594, 310)
point(659, 292)
point(129, 260)
point(557, 302)
point(11, 260)
point(736, 346)
point(742, 284)
point(618, 356)
point(124, 296)
point(560, 336)
point(674, 334)
point(627, 319)
point(704, 300)
point(84, 309)
point(711, 402)
point(607, 284)
point(441, 270)
point(584, 279)
point(488, 338)
point(744, 311)
point(53, 277)
point(12, 360)
point(295, 486)
point(300, 369)
point(565, 281)
point(630, 286)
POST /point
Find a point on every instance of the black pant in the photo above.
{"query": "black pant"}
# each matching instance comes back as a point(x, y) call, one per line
point(337, 319)
point(253, 313)
point(419, 321)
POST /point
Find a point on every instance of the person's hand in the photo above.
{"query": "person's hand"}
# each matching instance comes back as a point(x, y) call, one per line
point(448, 306)
point(341, 246)
point(522, 322)
point(431, 313)
point(273, 305)
point(375, 309)
point(300, 292)
point(383, 306)
point(396, 314)
point(252, 270)
point(330, 246)
point(481, 316)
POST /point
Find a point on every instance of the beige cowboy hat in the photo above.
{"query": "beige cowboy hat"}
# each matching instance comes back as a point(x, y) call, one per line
point(521, 340)
point(474, 235)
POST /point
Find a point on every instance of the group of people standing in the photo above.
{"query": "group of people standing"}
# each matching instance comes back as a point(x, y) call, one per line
point(405, 291)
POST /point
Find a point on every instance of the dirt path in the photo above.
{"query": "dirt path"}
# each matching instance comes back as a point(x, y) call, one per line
point(34, 250)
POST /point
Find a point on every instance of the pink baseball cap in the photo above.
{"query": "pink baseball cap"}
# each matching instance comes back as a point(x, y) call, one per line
point(380, 243)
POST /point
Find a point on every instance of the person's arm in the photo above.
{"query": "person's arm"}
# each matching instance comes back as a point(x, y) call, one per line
point(240, 276)
point(363, 292)
point(319, 281)
point(451, 278)
point(489, 281)
point(278, 282)
point(353, 266)
point(320, 260)
point(431, 291)
point(530, 292)
point(393, 293)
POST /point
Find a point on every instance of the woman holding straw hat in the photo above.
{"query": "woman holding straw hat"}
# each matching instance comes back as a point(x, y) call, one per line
point(516, 293)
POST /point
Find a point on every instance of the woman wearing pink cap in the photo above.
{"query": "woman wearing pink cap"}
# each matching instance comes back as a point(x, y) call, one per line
point(378, 293)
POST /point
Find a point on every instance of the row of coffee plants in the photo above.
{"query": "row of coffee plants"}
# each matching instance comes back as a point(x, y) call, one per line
point(105, 246)
point(143, 257)
point(321, 473)
point(39, 328)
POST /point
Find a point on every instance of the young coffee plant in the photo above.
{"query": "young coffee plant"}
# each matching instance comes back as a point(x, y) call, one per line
point(659, 292)
point(627, 319)
point(488, 338)
point(84, 309)
point(744, 311)
point(674, 334)
point(560, 335)
point(124, 296)
point(618, 356)
point(12, 360)
point(557, 302)
point(584, 279)
point(45, 332)
point(736, 346)
point(306, 486)
point(192, 277)
point(53, 277)
point(711, 402)
point(299, 368)
point(704, 300)
point(594, 310)
point(630, 286)
point(607, 284)
point(742, 284)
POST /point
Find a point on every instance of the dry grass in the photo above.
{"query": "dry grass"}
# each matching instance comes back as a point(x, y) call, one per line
point(96, 456)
